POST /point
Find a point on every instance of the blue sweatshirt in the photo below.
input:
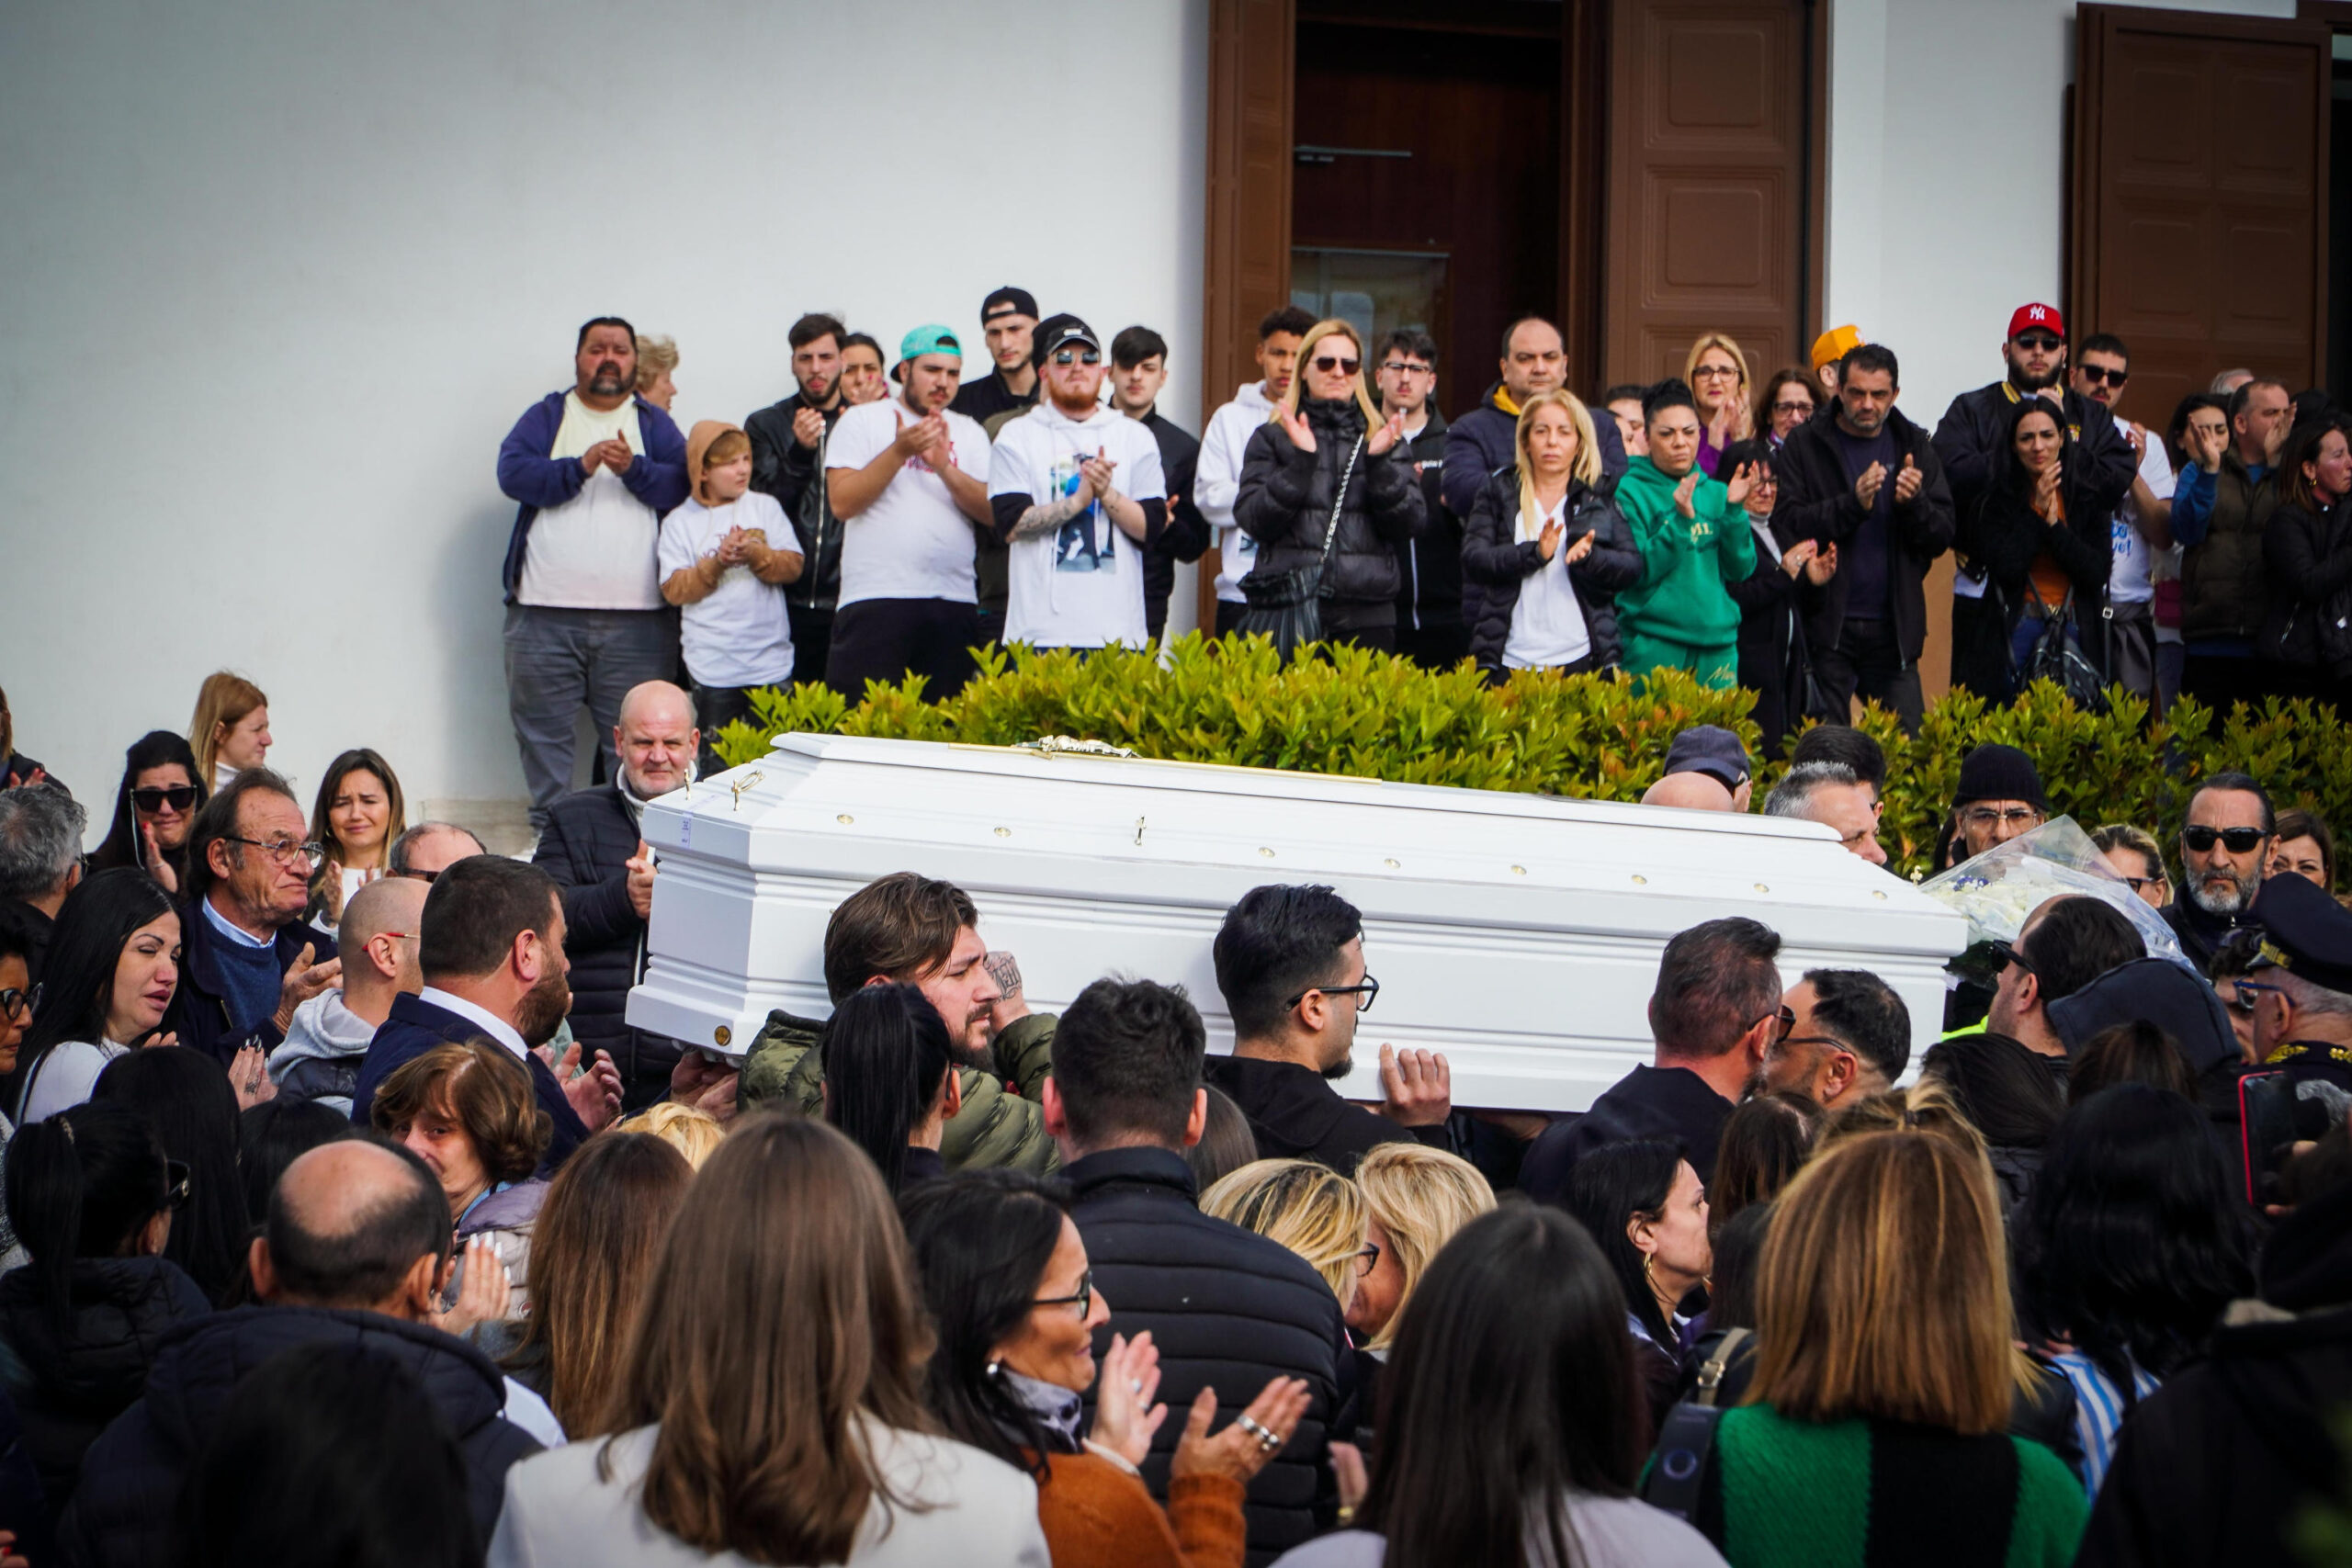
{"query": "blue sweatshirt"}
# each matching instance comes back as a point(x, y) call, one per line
point(656, 476)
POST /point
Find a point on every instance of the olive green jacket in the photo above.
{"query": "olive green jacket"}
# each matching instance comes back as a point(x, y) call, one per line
point(1001, 1123)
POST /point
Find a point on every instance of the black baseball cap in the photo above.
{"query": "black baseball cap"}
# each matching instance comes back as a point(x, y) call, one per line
point(1712, 750)
point(1008, 300)
point(1055, 332)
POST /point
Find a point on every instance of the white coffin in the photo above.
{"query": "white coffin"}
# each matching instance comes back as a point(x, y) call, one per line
point(1517, 933)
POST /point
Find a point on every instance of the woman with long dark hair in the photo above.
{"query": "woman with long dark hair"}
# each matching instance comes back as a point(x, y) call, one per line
point(1325, 460)
point(359, 813)
point(113, 967)
point(1005, 1274)
point(890, 1081)
point(161, 792)
point(2128, 1251)
point(592, 1259)
point(91, 1196)
point(2306, 640)
point(2044, 548)
point(745, 1436)
point(185, 1098)
point(1647, 1212)
point(2008, 1094)
point(1511, 1425)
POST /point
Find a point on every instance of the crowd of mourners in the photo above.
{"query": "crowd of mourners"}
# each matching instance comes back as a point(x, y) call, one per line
point(349, 1220)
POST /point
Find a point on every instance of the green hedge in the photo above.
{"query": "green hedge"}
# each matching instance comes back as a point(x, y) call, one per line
point(1595, 737)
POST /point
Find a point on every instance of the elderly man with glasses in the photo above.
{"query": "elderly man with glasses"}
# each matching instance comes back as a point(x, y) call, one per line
point(1999, 797)
point(249, 959)
point(2224, 846)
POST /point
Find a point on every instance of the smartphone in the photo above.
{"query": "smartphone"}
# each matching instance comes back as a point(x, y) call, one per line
point(2266, 1108)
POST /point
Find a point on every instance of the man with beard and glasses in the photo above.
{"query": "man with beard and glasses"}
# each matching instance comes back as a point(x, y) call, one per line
point(2224, 846)
point(1078, 495)
point(1972, 438)
point(788, 462)
point(908, 477)
point(594, 847)
point(492, 954)
point(592, 470)
point(1291, 964)
point(916, 931)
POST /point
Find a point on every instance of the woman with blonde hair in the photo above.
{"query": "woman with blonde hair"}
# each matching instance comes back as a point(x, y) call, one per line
point(656, 358)
point(1884, 1379)
point(1309, 1208)
point(1717, 373)
point(739, 1439)
point(694, 1134)
point(1416, 1197)
point(1544, 552)
point(230, 731)
point(1328, 491)
point(359, 813)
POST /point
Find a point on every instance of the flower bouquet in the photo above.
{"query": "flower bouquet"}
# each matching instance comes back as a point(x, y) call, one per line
point(1999, 889)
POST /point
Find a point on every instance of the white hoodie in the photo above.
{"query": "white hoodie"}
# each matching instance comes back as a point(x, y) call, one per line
point(324, 1030)
point(1216, 483)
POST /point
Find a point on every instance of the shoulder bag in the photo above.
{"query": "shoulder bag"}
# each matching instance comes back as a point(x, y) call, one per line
point(1288, 605)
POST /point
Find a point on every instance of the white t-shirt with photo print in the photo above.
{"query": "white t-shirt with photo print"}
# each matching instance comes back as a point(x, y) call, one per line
point(1082, 585)
point(913, 542)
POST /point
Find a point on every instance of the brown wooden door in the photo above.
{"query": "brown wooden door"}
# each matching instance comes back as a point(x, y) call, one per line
point(1248, 239)
point(2198, 222)
point(1706, 223)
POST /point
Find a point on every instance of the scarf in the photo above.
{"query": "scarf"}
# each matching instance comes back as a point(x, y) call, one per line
point(1056, 1410)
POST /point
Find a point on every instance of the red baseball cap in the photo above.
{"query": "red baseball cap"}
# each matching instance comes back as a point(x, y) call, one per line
point(2044, 316)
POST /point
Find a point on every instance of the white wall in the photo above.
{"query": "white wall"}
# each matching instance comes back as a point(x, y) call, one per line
point(1946, 169)
point(277, 276)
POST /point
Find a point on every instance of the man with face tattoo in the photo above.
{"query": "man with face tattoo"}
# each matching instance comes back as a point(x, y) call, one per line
point(591, 469)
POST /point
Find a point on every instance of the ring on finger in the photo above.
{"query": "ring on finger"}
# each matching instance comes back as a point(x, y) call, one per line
point(1252, 1425)
point(1269, 1440)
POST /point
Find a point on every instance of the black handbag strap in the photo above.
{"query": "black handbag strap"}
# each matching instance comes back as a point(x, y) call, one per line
point(1331, 529)
point(1686, 1444)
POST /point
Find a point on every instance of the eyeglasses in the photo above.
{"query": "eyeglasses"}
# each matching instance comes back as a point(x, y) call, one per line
point(2004, 956)
point(2249, 996)
point(285, 852)
point(1792, 405)
point(1716, 373)
point(1327, 363)
point(425, 876)
point(1369, 991)
point(404, 936)
point(2044, 342)
point(20, 1004)
point(1083, 1301)
point(174, 1184)
point(179, 797)
point(2139, 883)
point(2238, 840)
point(1367, 1259)
point(1074, 356)
point(1986, 816)
point(1404, 367)
point(2095, 374)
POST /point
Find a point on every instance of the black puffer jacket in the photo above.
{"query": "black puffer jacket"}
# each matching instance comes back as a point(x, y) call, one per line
point(1227, 1309)
point(124, 1515)
point(1772, 650)
point(2309, 622)
point(2005, 534)
point(67, 1387)
point(795, 475)
point(586, 846)
point(1285, 504)
point(1494, 562)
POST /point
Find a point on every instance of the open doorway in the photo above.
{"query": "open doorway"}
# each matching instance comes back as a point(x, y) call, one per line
point(1425, 180)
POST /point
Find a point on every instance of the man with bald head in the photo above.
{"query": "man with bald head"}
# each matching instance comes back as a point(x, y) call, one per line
point(594, 848)
point(425, 850)
point(354, 1255)
point(381, 931)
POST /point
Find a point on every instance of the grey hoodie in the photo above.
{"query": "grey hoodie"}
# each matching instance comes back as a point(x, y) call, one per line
point(321, 1057)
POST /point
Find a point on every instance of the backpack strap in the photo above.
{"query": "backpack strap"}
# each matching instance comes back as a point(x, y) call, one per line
point(1685, 1446)
point(1711, 1371)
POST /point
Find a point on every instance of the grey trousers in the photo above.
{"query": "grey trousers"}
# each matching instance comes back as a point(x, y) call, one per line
point(558, 660)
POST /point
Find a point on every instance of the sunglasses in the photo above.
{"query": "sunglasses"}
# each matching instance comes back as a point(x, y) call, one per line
point(179, 797)
point(2238, 840)
point(1327, 363)
point(2004, 956)
point(2095, 374)
point(1073, 357)
point(2044, 342)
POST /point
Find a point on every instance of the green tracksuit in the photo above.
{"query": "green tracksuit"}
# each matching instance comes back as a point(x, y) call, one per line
point(1679, 615)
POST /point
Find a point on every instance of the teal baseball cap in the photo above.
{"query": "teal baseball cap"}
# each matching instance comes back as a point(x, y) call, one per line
point(932, 339)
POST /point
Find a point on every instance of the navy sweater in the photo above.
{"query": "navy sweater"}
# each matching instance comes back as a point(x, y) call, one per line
point(656, 476)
